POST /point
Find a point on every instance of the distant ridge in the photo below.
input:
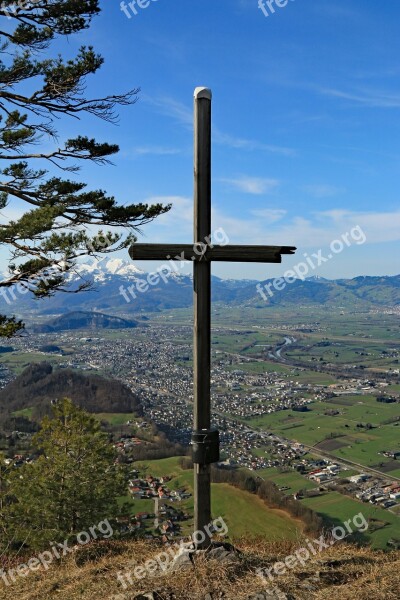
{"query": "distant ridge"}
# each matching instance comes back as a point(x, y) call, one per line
point(117, 287)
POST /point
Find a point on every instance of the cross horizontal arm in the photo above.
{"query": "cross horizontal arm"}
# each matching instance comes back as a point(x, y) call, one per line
point(202, 252)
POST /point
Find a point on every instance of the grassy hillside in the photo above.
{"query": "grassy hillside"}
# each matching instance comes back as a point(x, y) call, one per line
point(244, 513)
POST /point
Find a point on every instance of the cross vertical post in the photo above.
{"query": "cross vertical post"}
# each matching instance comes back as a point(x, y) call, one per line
point(202, 301)
point(205, 441)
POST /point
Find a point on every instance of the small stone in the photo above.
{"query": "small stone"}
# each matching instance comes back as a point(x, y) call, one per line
point(333, 577)
point(182, 561)
point(303, 575)
point(221, 555)
point(275, 594)
point(309, 586)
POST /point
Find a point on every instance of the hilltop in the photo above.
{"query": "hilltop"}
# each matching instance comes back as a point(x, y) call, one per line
point(343, 571)
point(40, 383)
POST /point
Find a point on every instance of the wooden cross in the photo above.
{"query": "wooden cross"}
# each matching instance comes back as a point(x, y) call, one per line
point(202, 252)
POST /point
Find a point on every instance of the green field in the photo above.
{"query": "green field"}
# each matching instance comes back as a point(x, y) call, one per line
point(18, 361)
point(115, 418)
point(359, 445)
point(292, 480)
point(25, 412)
point(339, 509)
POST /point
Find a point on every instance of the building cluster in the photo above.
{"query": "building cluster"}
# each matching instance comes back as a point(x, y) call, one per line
point(127, 443)
point(163, 519)
point(377, 491)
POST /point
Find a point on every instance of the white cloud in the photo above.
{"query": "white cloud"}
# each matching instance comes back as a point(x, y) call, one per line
point(274, 226)
point(155, 150)
point(322, 190)
point(378, 226)
point(224, 139)
point(184, 116)
point(367, 97)
point(252, 185)
point(172, 108)
point(12, 213)
point(317, 231)
point(177, 222)
point(269, 215)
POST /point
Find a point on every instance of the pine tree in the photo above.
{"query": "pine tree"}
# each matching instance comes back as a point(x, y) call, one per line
point(35, 91)
point(73, 485)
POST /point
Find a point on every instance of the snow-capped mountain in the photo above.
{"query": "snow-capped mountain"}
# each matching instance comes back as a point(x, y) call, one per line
point(103, 269)
point(119, 287)
point(115, 286)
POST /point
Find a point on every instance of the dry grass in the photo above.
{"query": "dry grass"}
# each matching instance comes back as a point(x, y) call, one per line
point(343, 571)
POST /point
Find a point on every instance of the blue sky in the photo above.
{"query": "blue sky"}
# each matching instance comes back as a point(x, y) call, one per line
point(306, 123)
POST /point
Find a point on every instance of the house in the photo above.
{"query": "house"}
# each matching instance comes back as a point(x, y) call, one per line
point(359, 478)
point(167, 526)
point(142, 516)
point(333, 468)
point(317, 475)
point(378, 500)
point(322, 477)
